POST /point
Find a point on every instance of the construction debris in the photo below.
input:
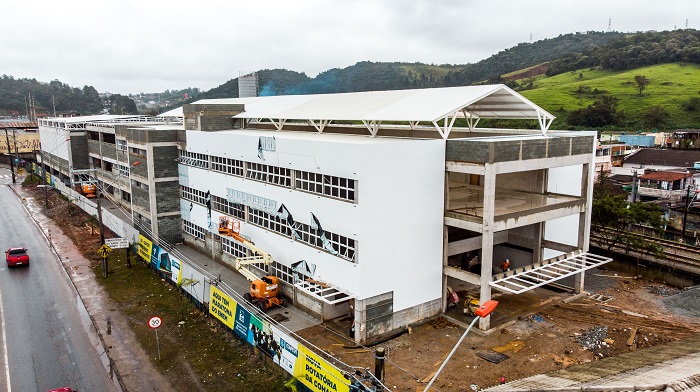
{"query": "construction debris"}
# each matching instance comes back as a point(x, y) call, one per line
point(663, 290)
point(687, 301)
point(441, 322)
point(593, 338)
point(600, 298)
point(492, 356)
point(631, 341)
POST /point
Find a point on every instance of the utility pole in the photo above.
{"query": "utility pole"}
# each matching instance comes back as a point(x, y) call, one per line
point(14, 136)
point(685, 212)
point(105, 264)
point(46, 184)
point(9, 154)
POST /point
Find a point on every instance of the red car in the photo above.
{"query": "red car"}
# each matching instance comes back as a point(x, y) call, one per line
point(16, 256)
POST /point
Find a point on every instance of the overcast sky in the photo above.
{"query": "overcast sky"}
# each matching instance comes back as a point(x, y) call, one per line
point(153, 45)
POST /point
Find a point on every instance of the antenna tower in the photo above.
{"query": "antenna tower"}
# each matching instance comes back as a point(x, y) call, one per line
point(530, 37)
point(609, 25)
point(686, 24)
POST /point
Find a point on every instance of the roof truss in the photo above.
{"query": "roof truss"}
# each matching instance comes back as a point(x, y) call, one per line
point(323, 292)
point(526, 279)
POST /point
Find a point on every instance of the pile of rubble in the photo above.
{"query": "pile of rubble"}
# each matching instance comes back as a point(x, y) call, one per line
point(596, 340)
point(663, 290)
point(687, 301)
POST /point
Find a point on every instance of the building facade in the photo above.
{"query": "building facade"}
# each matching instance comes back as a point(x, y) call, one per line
point(133, 159)
point(363, 198)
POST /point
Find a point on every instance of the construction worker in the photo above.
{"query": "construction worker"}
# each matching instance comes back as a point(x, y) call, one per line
point(505, 265)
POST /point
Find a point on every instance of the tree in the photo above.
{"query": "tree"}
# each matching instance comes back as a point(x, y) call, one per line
point(601, 113)
point(641, 82)
point(613, 215)
point(656, 117)
point(120, 104)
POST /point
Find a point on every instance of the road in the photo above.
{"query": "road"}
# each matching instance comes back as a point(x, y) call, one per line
point(46, 339)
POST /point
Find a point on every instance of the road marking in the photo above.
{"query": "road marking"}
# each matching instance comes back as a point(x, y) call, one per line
point(4, 346)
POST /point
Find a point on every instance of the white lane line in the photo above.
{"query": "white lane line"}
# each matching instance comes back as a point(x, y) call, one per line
point(4, 346)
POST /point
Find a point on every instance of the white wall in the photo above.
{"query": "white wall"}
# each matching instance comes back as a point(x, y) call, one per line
point(564, 180)
point(53, 141)
point(397, 221)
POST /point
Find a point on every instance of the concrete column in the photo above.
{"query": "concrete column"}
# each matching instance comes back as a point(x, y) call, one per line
point(152, 197)
point(584, 218)
point(445, 241)
point(537, 243)
point(537, 251)
point(487, 241)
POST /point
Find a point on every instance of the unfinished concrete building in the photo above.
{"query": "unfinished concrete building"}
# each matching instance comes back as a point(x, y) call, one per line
point(105, 150)
point(391, 202)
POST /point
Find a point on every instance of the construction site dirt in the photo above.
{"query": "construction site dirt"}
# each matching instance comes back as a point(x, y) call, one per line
point(537, 332)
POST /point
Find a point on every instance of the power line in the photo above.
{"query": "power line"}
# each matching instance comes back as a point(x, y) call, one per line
point(240, 298)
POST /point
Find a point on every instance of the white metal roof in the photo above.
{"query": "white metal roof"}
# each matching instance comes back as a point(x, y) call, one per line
point(434, 105)
point(177, 112)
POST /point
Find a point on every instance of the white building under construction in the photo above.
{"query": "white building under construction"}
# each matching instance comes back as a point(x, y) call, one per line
point(377, 198)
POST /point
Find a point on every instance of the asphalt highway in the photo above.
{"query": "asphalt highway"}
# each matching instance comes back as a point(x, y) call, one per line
point(46, 338)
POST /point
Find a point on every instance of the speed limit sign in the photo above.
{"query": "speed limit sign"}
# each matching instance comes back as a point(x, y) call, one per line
point(155, 322)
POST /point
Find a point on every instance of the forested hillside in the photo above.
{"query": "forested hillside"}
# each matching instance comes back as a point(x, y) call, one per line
point(585, 83)
point(46, 96)
point(657, 97)
point(368, 76)
point(57, 97)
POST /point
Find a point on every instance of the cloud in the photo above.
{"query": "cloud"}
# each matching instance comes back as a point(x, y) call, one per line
point(150, 46)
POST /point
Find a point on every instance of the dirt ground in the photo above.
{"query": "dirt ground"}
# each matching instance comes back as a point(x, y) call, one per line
point(555, 336)
point(550, 337)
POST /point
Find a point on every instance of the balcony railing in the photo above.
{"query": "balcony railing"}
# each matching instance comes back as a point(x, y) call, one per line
point(661, 193)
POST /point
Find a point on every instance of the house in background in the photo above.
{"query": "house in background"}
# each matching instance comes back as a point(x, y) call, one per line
point(686, 138)
point(664, 185)
point(656, 159)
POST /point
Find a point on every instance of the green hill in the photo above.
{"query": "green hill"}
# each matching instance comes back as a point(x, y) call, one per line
point(671, 86)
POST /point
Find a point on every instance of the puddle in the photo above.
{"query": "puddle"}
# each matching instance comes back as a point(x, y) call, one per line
point(514, 346)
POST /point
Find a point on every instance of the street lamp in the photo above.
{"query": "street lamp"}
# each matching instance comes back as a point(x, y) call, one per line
point(105, 263)
point(483, 311)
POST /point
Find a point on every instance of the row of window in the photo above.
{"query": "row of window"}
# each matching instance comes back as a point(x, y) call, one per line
point(194, 159)
point(332, 243)
point(232, 209)
point(227, 165)
point(194, 195)
point(342, 188)
point(194, 230)
point(121, 145)
point(270, 174)
point(233, 248)
point(332, 186)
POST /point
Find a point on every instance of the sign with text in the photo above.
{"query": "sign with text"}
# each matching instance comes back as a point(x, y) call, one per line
point(221, 306)
point(117, 243)
point(317, 374)
point(145, 248)
point(155, 322)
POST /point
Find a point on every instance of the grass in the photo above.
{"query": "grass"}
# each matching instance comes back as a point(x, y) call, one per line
point(670, 86)
point(199, 354)
point(198, 346)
